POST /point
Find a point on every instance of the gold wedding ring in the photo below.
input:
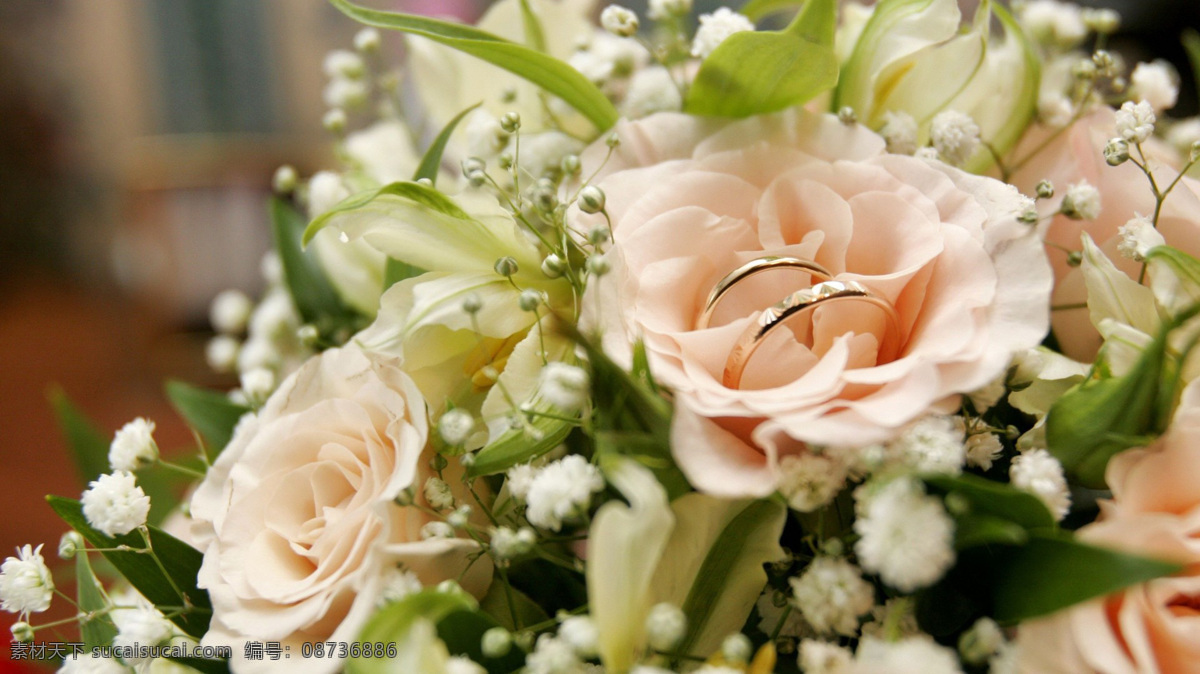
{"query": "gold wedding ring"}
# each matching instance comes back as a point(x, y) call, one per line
point(756, 266)
point(801, 302)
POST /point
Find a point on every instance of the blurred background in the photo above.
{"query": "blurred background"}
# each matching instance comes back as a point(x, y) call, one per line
point(137, 143)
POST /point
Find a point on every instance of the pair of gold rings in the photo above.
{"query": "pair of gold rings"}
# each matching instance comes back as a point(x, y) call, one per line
point(797, 304)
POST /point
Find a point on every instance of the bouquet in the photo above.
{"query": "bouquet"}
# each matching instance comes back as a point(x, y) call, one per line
point(861, 344)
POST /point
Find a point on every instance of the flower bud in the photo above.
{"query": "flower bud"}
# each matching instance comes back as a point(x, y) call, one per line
point(737, 648)
point(846, 115)
point(1045, 189)
point(619, 21)
point(70, 544)
point(367, 40)
point(455, 426)
point(665, 626)
point(459, 518)
point(506, 266)
point(553, 266)
point(472, 304)
point(285, 179)
point(597, 265)
point(496, 642)
point(334, 121)
point(510, 122)
point(591, 199)
point(1102, 21)
point(22, 632)
point(599, 235)
point(530, 300)
point(1116, 151)
point(570, 164)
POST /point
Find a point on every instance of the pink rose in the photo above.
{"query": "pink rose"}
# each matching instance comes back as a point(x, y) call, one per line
point(297, 519)
point(692, 199)
point(1075, 155)
point(1153, 627)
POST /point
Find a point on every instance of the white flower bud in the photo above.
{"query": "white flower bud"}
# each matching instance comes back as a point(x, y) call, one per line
point(1138, 238)
point(346, 94)
point(598, 265)
point(847, 116)
point(472, 303)
point(285, 179)
point(334, 121)
point(564, 386)
point(1054, 23)
point(133, 446)
point(434, 530)
point(1081, 202)
point(665, 627)
point(507, 543)
point(1116, 151)
point(665, 9)
point(955, 136)
point(455, 426)
point(1156, 83)
point(529, 299)
point(591, 199)
point(1045, 189)
point(460, 517)
point(981, 641)
point(510, 122)
point(553, 266)
point(22, 632)
point(340, 63)
point(1135, 121)
point(581, 633)
point(736, 648)
point(900, 132)
point(230, 310)
point(506, 266)
point(114, 505)
point(70, 544)
point(438, 494)
point(367, 40)
point(496, 642)
point(619, 21)
point(221, 353)
point(1102, 21)
point(258, 384)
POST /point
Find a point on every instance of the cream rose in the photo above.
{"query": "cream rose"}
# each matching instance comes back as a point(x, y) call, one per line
point(691, 200)
point(1153, 627)
point(297, 520)
point(1076, 155)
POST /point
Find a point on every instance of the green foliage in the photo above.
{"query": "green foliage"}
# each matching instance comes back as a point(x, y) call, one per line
point(431, 161)
point(426, 197)
point(314, 296)
point(98, 630)
point(211, 413)
point(1054, 571)
point(756, 72)
point(516, 446)
point(129, 555)
point(758, 9)
point(995, 499)
point(552, 75)
point(1102, 417)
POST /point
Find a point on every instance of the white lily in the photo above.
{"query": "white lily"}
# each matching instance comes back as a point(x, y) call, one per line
point(911, 57)
point(652, 551)
point(447, 81)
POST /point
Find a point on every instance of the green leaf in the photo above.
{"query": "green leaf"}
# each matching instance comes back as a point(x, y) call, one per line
point(180, 560)
point(516, 447)
point(741, 544)
point(534, 37)
point(756, 72)
point(431, 162)
point(421, 195)
point(312, 293)
point(99, 630)
point(1180, 268)
point(495, 605)
point(392, 623)
point(1097, 419)
point(211, 413)
point(89, 447)
point(547, 72)
point(1191, 43)
point(757, 9)
point(993, 498)
point(1052, 572)
point(973, 530)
